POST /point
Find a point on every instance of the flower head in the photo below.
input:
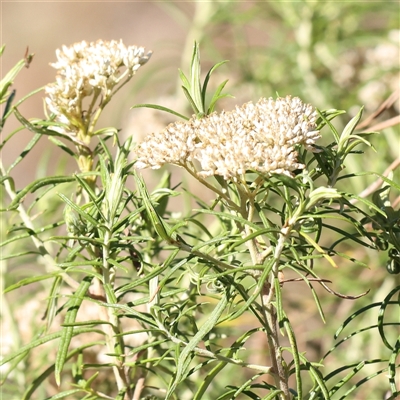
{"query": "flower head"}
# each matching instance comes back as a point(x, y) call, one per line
point(89, 69)
point(261, 137)
point(174, 145)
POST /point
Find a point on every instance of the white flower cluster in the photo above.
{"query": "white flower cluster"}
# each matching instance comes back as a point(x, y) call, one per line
point(258, 137)
point(174, 145)
point(84, 69)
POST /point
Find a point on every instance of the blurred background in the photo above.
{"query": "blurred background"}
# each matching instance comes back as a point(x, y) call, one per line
point(341, 55)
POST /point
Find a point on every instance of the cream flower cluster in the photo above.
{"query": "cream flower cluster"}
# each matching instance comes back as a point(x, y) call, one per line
point(260, 137)
point(84, 69)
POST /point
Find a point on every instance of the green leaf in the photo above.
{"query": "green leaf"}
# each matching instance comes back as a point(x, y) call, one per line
point(44, 339)
point(92, 195)
point(33, 127)
point(43, 127)
point(234, 349)
point(316, 375)
point(7, 109)
point(117, 265)
point(63, 395)
point(326, 120)
point(62, 146)
point(20, 254)
point(79, 210)
point(25, 152)
point(161, 108)
point(273, 395)
point(37, 184)
point(319, 249)
point(67, 332)
point(318, 195)
point(192, 102)
point(185, 356)
point(381, 316)
point(32, 279)
point(268, 264)
point(195, 72)
point(223, 215)
point(159, 225)
point(7, 81)
point(207, 78)
point(392, 367)
point(184, 80)
point(217, 95)
point(347, 379)
point(108, 131)
point(52, 302)
point(295, 354)
point(348, 131)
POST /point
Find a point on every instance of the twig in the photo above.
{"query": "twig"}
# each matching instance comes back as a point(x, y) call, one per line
point(386, 124)
point(384, 106)
point(377, 184)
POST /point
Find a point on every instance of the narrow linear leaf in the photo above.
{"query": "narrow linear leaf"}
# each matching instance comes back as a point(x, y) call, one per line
point(117, 265)
point(207, 78)
point(218, 368)
point(20, 254)
point(223, 215)
point(42, 340)
point(319, 249)
point(279, 306)
point(52, 302)
point(273, 395)
point(37, 184)
point(159, 225)
point(44, 127)
point(191, 101)
point(70, 265)
point(185, 356)
point(161, 108)
point(108, 131)
point(79, 210)
point(347, 378)
point(8, 178)
point(326, 120)
point(90, 322)
point(13, 365)
point(348, 130)
point(65, 394)
point(30, 94)
point(316, 375)
point(296, 358)
point(217, 95)
point(6, 108)
point(32, 279)
point(392, 366)
point(381, 317)
point(308, 283)
point(44, 375)
point(97, 200)
point(212, 242)
point(184, 79)
point(62, 146)
point(25, 152)
point(195, 72)
point(10, 76)
point(66, 334)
